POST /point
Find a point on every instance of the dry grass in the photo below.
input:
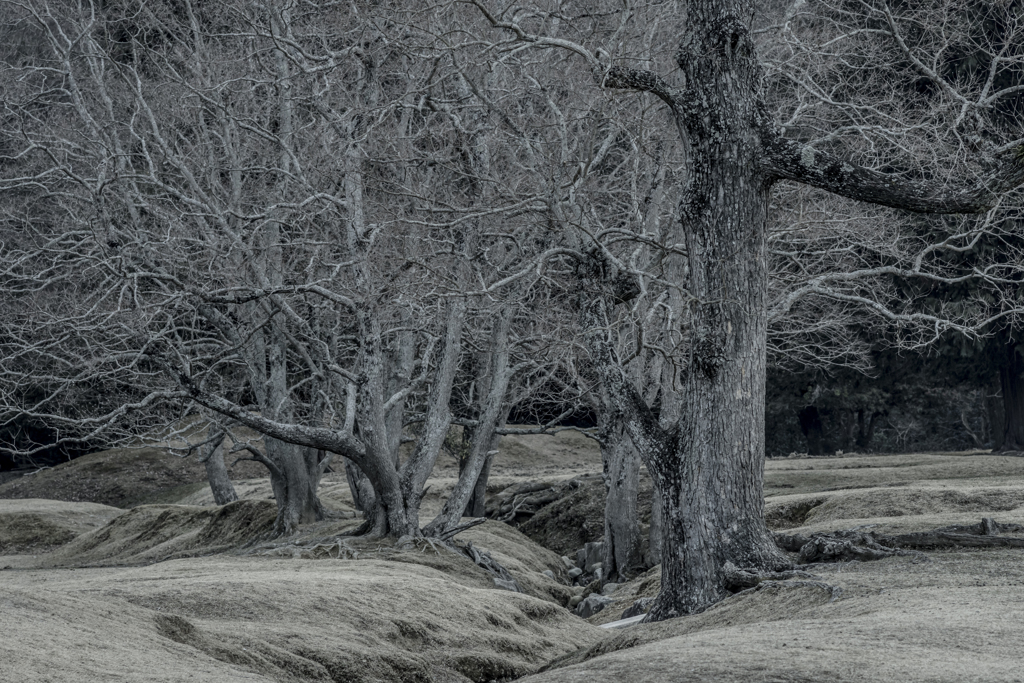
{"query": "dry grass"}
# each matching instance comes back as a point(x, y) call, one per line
point(261, 619)
point(38, 525)
point(319, 609)
point(122, 477)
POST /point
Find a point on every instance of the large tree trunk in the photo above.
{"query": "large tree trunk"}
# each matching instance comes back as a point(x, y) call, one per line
point(622, 542)
point(711, 470)
point(709, 466)
point(1011, 380)
point(217, 474)
point(294, 478)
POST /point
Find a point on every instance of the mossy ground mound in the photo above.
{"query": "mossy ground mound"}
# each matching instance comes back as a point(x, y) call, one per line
point(954, 618)
point(121, 477)
point(38, 525)
point(152, 533)
point(229, 619)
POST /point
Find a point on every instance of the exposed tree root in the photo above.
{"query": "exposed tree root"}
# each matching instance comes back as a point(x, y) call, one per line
point(339, 548)
point(522, 501)
point(835, 592)
point(446, 535)
point(483, 559)
point(738, 580)
point(854, 544)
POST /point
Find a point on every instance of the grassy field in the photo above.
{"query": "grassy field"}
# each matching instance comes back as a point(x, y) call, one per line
point(152, 591)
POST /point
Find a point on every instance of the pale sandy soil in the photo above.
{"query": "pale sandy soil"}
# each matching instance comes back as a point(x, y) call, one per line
point(319, 610)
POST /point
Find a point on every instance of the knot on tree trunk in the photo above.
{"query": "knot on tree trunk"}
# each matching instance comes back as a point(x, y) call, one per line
point(709, 355)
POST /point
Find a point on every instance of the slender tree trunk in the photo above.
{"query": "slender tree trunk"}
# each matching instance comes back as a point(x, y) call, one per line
point(477, 505)
point(217, 474)
point(494, 411)
point(996, 415)
point(814, 431)
point(1011, 380)
point(622, 542)
point(359, 486)
point(866, 430)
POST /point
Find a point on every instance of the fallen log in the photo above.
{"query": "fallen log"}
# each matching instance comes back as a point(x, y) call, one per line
point(854, 544)
point(940, 539)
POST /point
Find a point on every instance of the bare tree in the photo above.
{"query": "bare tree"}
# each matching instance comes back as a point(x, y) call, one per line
point(708, 460)
point(234, 222)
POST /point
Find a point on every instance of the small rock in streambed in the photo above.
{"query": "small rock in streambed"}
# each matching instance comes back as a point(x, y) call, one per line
point(609, 588)
point(641, 606)
point(505, 584)
point(574, 601)
point(575, 572)
point(592, 587)
point(550, 574)
point(569, 564)
point(592, 605)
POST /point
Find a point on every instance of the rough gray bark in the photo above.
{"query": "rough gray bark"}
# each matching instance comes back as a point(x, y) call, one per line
point(656, 534)
point(477, 505)
point(622, 543)
point(217, 474)
point(360, 488)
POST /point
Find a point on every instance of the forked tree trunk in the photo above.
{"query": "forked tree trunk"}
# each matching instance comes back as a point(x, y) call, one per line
point(1011, 380)
point(493, 414)
point(622, 543)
